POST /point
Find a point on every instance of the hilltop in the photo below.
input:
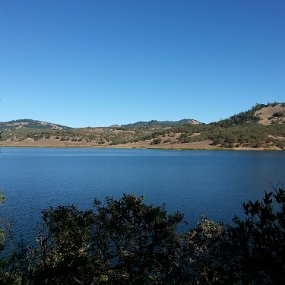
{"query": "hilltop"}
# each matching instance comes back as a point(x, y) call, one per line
point(160, 124)
point(261, 127)
point(29, 124)
point(270, 114)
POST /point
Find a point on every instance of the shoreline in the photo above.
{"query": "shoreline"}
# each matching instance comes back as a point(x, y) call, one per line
point(128, 146)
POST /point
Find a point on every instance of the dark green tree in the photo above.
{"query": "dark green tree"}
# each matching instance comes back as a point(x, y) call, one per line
point(259, 240)
point(125, 241)
point(122, 241)
point(252, 251)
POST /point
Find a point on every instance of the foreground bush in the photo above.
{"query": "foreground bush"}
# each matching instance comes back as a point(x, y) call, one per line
point(121, 242)
point(125, 241)
point(251, 251)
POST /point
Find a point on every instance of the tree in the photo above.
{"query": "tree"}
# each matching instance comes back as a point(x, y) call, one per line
point(125, 241)
point(122, 241)
point(259, 240)
point(61, 256)
point(252, 251)
point(156, 141)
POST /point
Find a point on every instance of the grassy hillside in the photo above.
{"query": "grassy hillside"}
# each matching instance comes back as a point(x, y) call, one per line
point(29, 124)
point(160, 124)
point(263, 114)
point(263, 126)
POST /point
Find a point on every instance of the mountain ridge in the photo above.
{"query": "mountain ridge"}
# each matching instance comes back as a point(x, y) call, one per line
point(37, 124)
point(30, 124)
point(261, 127)
point(252, 115)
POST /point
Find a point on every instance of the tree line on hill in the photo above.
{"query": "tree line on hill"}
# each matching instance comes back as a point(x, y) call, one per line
point(241, 130)
point(125, 241)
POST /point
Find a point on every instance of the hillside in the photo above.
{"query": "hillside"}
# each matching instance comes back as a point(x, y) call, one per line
point(160, 124)
point(263, 114)
point(274, 114)
point(261, 127)
point(29, 124)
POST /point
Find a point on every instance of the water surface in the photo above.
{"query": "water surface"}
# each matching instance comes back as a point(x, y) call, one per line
point(211, 183)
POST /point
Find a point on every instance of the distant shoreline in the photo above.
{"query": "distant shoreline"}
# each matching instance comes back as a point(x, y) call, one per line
point(140, 146)
point(260, 128)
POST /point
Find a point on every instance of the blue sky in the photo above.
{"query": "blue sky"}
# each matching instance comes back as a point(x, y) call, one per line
point(100, 62)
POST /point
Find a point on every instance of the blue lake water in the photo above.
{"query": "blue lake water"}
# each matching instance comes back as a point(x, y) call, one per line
point(210, 183)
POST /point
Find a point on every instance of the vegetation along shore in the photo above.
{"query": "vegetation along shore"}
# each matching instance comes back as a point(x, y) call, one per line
point(125, 241)
point(260, 128)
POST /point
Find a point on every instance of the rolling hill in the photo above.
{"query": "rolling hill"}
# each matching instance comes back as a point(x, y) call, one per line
point(261, 127)
point(160, 124)
point(29, 124)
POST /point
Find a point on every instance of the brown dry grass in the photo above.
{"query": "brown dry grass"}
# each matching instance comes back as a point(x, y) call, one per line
point(266, 113)
point(55, 143)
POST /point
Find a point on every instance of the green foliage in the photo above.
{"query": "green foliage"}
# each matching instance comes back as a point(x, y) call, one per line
point(239, 119)
point(249, 135)
point(125, 241)
point(206, 252)
point(156, 141)
point(138, 242)
point(121, 242)
point(158, 124)
point(61, 255)
point(241, 130)
point(30, 124)
point(252, 251)
point(184, 138)
point(260, 240)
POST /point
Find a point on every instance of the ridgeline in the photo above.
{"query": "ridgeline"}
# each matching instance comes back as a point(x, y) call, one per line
point(261, 127)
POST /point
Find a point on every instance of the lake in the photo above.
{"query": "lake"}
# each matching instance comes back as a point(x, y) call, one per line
point(210, 183)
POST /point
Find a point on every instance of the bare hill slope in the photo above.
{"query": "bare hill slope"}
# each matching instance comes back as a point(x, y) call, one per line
point(274, 114)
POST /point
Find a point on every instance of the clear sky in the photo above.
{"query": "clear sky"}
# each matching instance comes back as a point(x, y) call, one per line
point(100, 62)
